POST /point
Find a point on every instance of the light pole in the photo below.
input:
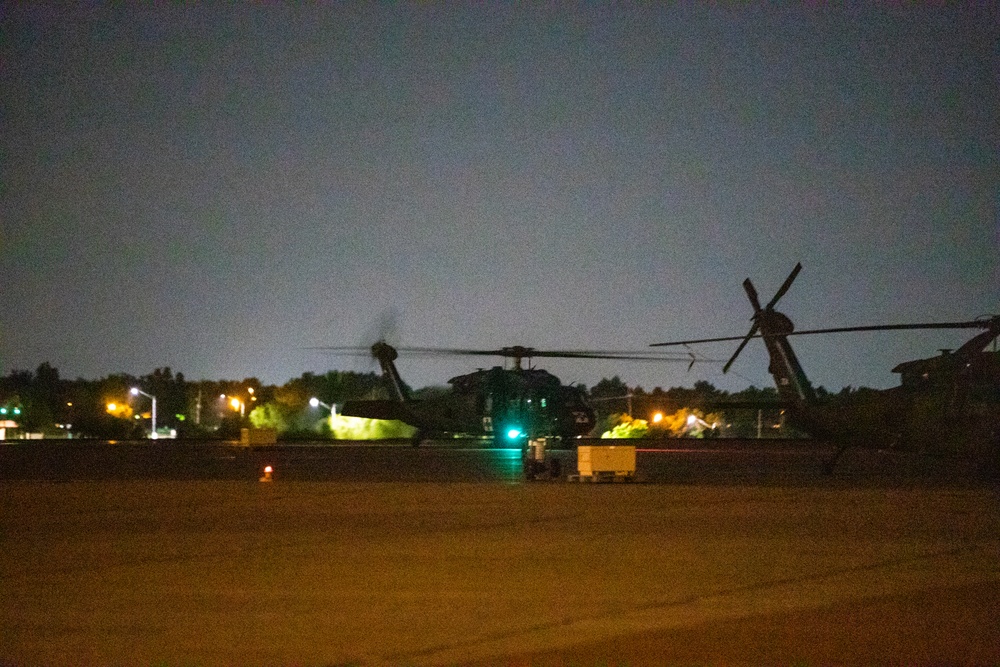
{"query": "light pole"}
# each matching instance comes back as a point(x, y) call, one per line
point(315, 402)
point(135, 392)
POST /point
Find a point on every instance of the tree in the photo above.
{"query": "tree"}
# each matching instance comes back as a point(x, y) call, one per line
point(624, 426)
point(609, 388)
point(609, 398)
point(269, 415)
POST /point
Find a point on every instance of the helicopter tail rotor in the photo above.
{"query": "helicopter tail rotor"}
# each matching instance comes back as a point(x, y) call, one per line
point(766, 313)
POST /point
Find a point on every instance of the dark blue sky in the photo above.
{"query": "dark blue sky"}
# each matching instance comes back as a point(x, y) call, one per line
point(219, 189)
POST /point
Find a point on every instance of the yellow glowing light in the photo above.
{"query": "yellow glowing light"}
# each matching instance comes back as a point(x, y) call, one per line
point(658, 417)
point(361, 428)
point(235, 403)
point(112, 407)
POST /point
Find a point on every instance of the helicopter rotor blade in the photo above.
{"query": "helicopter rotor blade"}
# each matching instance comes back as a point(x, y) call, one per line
point(784, 287)
point(970, 324)
point(974, 324)
point(694, 341)
point(746, 339)
point(752, 294)
point(621, 356)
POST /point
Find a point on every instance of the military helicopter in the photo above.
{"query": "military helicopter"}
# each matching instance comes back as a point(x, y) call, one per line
point(511, 405)
point(947, 405)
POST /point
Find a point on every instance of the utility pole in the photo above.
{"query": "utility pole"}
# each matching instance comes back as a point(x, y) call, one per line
point(197, 408)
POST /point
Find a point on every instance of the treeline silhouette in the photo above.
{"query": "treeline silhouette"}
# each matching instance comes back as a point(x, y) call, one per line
point(55, 406)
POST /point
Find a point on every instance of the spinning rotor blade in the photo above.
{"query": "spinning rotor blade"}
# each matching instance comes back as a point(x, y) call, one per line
point(621, 356)
point(532, 353)
point(346, 350)
point(527, 353)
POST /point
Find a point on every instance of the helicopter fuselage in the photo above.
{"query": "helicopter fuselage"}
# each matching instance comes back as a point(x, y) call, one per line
point(509, 405)
point(947, 405)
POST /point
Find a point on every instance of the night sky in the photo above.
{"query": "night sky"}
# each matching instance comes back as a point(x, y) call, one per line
point(220, 189)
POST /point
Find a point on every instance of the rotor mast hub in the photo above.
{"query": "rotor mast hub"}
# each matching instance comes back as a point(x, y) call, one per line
point(773, 323)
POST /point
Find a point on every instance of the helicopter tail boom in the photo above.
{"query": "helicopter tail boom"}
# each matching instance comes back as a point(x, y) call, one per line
point(386, 356)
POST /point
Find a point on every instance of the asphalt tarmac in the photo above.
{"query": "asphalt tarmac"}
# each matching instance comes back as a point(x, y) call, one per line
point(716, 462)
point(151, 554)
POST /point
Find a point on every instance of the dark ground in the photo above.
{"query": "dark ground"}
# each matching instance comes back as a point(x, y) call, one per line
point(173, 553)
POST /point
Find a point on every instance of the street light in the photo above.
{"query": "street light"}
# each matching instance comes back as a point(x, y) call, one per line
point(694, 421)
point(237, 404)
point(135, 392)
point(315, 402)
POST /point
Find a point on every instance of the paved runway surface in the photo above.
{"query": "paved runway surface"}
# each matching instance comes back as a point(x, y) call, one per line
point(726, 462)
point(132, 554)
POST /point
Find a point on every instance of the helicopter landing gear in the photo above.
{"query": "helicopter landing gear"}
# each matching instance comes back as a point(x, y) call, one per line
point(538, 466)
